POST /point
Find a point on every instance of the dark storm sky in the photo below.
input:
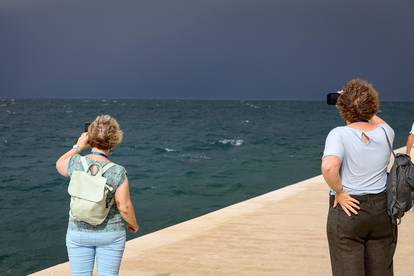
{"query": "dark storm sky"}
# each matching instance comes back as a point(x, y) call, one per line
point(210, 49)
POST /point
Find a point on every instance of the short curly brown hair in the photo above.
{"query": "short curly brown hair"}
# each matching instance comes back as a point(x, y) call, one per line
point(104, 133)
point(358, 101)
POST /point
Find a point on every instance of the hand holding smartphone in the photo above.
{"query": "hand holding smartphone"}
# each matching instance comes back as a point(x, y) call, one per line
point(86, 126)
point(85, 129)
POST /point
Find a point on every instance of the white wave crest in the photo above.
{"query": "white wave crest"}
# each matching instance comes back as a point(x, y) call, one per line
point(169, 150)
point(233, 142)
point(252, 105)
point(195, 156)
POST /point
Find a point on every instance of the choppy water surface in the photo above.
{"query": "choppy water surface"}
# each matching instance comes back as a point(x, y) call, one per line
point(184, 159)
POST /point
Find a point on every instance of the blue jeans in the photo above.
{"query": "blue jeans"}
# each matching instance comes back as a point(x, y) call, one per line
point(108, 248)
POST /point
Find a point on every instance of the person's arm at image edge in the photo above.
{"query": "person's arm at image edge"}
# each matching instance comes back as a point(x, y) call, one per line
point(410, 143)
point(125, 206)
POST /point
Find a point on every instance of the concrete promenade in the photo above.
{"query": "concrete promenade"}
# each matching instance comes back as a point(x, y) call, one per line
point(278, 233)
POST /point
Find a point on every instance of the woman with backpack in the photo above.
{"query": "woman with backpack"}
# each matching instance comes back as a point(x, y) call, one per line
point(362, 239)
point(101, 207)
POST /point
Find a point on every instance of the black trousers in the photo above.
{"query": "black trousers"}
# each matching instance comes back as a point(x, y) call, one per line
point(363, 244)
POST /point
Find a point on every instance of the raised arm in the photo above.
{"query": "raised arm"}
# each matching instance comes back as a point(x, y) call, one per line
point(125, 206)
point(62, 162)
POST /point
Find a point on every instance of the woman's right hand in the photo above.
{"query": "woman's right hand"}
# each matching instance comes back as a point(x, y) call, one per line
point(348, 203)
point(133, 228)
point(83, 141)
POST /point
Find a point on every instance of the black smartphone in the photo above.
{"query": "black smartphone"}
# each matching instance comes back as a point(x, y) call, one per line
point(332, 98)
point(86, 126)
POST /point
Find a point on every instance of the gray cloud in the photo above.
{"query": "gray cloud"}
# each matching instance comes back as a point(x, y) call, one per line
point(257, 49)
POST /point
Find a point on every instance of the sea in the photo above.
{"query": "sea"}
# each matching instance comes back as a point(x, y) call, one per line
point(184, 159)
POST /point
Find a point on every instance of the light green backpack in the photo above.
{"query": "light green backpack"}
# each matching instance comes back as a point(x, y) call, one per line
point(89, 200)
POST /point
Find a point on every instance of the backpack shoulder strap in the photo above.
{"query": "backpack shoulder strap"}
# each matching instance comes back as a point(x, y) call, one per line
point(388, 142)
point(84, 164)
point(107, 167)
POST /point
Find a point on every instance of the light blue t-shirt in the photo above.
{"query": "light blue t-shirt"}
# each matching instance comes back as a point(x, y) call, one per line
point(364, 165)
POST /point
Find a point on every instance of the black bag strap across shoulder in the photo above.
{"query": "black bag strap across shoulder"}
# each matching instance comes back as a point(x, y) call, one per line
point(388, 141)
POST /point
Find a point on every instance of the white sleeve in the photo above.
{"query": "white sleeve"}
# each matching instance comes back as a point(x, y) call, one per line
point(412, 130)
point(334, 145)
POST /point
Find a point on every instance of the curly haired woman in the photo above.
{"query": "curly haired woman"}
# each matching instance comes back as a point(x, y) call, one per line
point(105, 241)
point(361, 236)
